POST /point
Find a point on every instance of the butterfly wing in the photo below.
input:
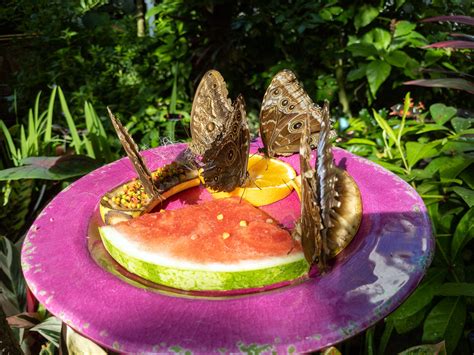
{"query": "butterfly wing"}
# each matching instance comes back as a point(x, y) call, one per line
point(308, 227)
point(137, 160)
point(284, 108)
point(211, 107)
point(327, 175)
point(225, 162)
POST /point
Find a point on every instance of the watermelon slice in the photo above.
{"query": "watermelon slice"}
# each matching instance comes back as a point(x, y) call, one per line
point(224, 244)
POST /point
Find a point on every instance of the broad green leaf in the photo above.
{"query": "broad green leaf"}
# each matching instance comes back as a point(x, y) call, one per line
point(446, 322)
point(406, 325)
point(378, 37)
point(377, 72)
point(361, 141)
point(456, 289)
point(365, 15)
point(397, 58)
point(418, 151)
point(459, 146)
point(468, 178)
point(12, 283)
point(442, 113)
point(362, 50)
point(422, 295)
point(385, 126)
point(429, 127)
point(77, 344)
point(51, 168)
point(460, 124)
point(466, 194)
point(403, 28)
point(50, 329)
point(449, 167)
point(427, 349)
point(357, 73)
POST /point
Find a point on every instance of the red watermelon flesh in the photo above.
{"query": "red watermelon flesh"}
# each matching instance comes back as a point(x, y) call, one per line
point(223, 231)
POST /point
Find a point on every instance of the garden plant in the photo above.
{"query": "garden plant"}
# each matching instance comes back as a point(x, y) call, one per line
point(398, 75)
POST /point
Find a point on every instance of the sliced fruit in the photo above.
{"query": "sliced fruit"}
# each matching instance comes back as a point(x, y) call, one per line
point(268, 182)
point(348, 215)
point(224, 244)
point(129, 200)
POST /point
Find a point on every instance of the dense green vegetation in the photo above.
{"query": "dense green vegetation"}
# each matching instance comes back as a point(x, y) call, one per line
point(64, 61)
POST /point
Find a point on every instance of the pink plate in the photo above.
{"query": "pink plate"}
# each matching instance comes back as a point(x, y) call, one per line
point(369, 279)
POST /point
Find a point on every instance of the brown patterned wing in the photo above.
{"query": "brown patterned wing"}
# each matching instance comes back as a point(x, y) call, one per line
point(211, 107)
point(327, 175)
point(225, 162)
point(282, 115)
point(308, 226)
point(137, 160)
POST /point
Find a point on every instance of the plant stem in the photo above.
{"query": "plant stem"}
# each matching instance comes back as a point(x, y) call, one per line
point(140, 18)
point(343, 100)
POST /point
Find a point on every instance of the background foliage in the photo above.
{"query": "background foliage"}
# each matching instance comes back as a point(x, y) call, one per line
point(63, 61)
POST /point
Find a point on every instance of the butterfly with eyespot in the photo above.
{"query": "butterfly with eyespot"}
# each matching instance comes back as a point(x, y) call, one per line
point(282, 116)
point(318, 194)
point(220, 134)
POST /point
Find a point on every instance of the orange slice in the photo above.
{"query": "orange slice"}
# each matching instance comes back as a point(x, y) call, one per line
point(269, 181)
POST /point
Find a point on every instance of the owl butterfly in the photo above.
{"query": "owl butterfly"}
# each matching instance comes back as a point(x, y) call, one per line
point(137, 160)
point(283, 113)
point(318, 194)
point(220, 134)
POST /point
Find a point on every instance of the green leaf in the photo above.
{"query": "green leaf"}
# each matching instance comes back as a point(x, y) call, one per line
point(392, 167)
point(77, 344)
point(399, 3)
point(428, 349)
point(456, 289)
point(377, 72)
point(403, 28)
point(429, 127)
point(362, 50)
point(12, 283)
point(50, 329)
point(385, 126)
point(406, 325)
point(70, 122)
point(365, 15)
point(455, 147)
point(418, 151)
point(442, 113)
point(449, 167)
point(397, 58)
point(378, 37)
point(460, 124)
point(51, 168)
point(422, 295)
point(49, 116)
point(446, 322)
point(468, 178)
point(361, 141)
point(387, 332)
point(358, 73)
point(466, 194)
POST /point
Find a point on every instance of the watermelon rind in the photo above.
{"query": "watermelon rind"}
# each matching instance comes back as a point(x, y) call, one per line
point(184, 275)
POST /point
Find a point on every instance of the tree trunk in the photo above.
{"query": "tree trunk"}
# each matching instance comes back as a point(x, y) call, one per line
point(140, 18)
point(8, 343)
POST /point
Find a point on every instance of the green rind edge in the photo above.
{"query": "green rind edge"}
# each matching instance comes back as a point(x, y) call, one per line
point(197, 280)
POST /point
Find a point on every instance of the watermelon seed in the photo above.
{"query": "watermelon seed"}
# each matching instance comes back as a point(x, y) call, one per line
point(225, 235)
point(269, 220)
point(243, 223)
point(220, 217)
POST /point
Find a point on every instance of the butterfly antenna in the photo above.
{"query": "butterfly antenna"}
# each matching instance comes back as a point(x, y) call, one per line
point(242, 196)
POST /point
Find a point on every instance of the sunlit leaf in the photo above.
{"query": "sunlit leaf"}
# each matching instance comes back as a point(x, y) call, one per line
point(77, 344)
point(466, 194)
point(397, 58)
point(442, 113)
point(365, 15)
point(446, 322)
point(403, 28)
point(427, 349)
point(418, 151)
point(50, 329)
point(377, 72)
point(361, 141)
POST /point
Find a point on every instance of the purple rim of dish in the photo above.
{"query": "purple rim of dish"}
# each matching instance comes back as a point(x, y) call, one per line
point(369, 279)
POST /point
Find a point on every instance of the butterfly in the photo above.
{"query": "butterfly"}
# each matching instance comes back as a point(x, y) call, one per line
point(282, 116)
point(220, 134)
point(318, 193)
point(138, 163)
